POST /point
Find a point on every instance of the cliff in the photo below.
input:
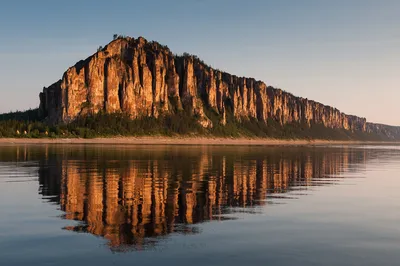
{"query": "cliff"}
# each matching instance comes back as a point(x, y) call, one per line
point(384, 131)
point(145, 79)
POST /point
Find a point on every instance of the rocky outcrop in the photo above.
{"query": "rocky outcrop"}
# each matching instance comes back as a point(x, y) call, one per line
point(385, 132)
point(142, 78)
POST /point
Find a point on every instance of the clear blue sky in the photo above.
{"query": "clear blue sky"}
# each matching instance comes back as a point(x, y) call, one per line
point(344, 53)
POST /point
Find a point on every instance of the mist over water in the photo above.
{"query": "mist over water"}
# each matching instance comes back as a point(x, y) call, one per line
point(203, 205)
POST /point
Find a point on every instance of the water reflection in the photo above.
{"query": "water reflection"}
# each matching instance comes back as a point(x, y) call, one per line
point(133, 196)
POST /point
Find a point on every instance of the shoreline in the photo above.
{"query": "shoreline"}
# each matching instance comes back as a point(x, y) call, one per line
point(186, 141)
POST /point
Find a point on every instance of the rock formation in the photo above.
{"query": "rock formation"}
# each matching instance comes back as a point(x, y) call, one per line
point(142, 78)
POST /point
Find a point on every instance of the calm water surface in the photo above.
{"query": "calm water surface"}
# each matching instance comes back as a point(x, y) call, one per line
point(183, 205)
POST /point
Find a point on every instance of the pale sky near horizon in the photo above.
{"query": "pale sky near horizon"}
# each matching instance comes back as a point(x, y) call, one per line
point(341, 53)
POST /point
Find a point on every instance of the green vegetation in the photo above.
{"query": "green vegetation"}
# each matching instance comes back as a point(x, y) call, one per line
point(29, 115)
point(272, 129)
point(101, 125)
point(28, 125)
point(119, 36)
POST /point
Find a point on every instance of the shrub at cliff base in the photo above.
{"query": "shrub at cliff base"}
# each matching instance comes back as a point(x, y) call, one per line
point(27, 125)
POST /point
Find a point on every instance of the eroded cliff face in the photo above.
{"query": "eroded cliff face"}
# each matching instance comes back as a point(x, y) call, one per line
point(142, 78)
point(385, 132)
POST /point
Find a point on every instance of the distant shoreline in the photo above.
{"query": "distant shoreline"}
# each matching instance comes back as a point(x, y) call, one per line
point(185, 141)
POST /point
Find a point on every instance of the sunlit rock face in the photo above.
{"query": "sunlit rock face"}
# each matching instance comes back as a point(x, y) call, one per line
point(142, 78)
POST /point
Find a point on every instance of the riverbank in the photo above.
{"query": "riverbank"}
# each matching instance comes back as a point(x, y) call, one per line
point(182, 141)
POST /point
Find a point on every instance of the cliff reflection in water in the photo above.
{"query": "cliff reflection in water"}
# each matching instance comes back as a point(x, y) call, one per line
point(131, 197)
